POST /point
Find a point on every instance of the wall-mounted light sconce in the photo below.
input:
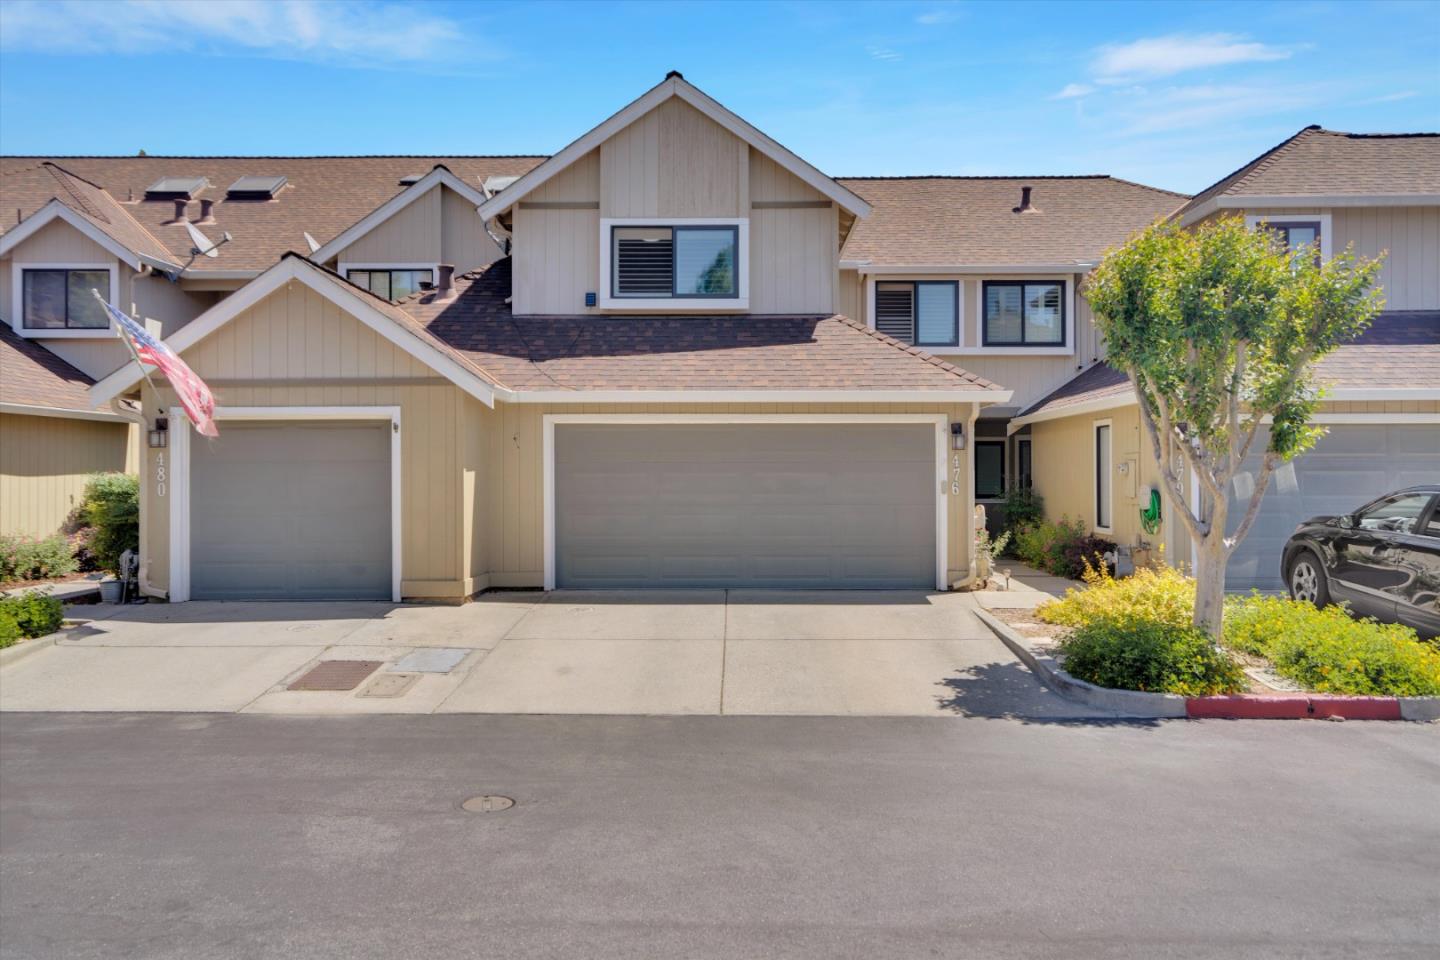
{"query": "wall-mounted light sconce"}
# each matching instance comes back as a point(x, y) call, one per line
point(159, 437)
point(957, 436)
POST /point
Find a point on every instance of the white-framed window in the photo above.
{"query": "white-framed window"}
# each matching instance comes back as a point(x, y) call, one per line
point(923, 313)
point(390, 281)
point(690, 263)
point(1297, 229)
point(55, 299)
point(1022, 313)
point(1104, 447)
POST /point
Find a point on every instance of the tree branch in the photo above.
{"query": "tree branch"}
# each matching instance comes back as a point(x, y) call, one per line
point(1267, 467)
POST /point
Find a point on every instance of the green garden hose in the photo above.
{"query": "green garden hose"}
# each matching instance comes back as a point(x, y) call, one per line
point(1150, 516)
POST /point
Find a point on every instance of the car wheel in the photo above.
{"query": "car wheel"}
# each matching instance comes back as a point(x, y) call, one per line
point(1306, 579)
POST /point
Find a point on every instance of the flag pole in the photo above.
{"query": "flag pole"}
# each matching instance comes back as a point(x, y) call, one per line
point(120, 332)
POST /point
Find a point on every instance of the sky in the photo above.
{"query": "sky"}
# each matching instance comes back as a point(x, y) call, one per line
point(1173, 95)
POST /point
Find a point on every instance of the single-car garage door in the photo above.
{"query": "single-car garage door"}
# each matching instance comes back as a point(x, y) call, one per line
point(770, 505)
point(291, 510)
point(1350, 466)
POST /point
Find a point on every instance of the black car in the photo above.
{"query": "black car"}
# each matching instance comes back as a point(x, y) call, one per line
point(1383, 559)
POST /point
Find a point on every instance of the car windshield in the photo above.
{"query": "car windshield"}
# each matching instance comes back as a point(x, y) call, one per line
point(1397, 514)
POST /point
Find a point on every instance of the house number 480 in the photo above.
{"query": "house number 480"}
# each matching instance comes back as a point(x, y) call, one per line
point(160, 475)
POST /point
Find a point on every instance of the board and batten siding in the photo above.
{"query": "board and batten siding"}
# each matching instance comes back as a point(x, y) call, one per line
point(262, 357)
point(556, 247)
point(439, 227)
point(45, 461)
point(508, 547)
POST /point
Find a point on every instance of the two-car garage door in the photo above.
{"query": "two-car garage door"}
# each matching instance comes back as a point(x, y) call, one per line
point(291, 510)
point(749, 504)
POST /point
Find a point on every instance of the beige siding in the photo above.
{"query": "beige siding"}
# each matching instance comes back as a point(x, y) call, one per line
point(851, 296)
point(295, 333)
point(463, 240)
point(510, 492)
point(557, 254)
point(794, 251)
point(44, 463)
point(1411, 235)
point(439, 227)
point(673, 162)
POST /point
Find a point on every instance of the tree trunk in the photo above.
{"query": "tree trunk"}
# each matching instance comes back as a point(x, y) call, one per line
point(1210, 560)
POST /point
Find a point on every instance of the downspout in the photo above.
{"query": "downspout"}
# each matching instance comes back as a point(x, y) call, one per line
point(123, 408)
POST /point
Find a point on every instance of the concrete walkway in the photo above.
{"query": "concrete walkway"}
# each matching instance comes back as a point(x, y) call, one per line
point(904, 653)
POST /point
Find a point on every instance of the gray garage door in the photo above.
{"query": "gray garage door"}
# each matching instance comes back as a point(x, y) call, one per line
point(805, 505)
point(1352, 465)
point(291, 511)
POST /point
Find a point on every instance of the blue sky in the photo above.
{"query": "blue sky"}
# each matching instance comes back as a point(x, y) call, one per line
point(1172, 95)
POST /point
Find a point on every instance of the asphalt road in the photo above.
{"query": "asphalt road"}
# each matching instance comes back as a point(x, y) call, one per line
point(197, 837)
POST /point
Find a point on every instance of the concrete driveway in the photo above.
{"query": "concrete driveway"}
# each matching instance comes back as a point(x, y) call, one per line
point(905, 653)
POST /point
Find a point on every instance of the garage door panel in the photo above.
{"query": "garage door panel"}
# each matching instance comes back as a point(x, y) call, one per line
point(291, 510)
point(1350, 466)
point(745, 505)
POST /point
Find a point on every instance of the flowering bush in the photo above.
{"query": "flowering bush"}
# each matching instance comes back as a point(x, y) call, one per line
point(1161, 595)
point(1328, 651)
point(26, 558)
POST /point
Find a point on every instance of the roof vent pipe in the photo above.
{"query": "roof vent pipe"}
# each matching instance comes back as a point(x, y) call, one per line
point(445, 281)
point(206, 206)
point(1025, 205)
point(179, 212)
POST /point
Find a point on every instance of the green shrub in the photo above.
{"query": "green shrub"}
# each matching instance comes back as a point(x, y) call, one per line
point(1062, 549)
point(1150, 656)
point(9, 629)
point(1023, 508)
point(24, 558)
point(35, 613)
point(112, 508)
point(1327, 651)
point(1163, 595)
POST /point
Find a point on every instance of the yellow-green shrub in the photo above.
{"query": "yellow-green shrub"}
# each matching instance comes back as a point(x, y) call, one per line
point(1162, 596)
point(1149, 655)
point(1329, 652)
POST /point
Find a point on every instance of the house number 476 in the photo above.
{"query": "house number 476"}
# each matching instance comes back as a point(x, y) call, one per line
point(955, 475)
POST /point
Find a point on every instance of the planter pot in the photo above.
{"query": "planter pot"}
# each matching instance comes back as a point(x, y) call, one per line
point(110, 591)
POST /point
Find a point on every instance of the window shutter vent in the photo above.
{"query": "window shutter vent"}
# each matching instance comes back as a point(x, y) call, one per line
point(895, 311)
point(644, 267)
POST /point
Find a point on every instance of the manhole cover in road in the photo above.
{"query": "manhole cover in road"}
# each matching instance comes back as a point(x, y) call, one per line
point(336, 675)
point(488, 804)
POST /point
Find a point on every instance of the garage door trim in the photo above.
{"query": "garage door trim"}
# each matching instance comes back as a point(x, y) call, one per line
point(939, 420)
point(177, 479)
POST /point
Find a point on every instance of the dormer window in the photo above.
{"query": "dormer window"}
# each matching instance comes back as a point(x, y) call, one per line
point(661, 265)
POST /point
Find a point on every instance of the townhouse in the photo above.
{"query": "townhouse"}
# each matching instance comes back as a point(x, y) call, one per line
point(672, 353)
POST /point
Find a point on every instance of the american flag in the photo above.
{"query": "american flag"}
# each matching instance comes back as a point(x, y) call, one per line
point(195, 396)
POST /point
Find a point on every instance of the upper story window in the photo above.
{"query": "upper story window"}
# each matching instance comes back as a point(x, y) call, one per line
point(392, 283)
point(1023, 313)
point(1297, 231)
point(669, 262)
point(60, 299)
point(923, 313)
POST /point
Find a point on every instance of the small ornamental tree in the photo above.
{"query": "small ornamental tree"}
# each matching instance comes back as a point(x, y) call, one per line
point(1218, 329)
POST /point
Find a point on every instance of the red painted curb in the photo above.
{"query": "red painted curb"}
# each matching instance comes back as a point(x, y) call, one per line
point(1243, 707)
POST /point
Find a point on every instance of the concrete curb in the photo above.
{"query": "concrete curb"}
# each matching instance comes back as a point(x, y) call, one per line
point(1318, 706)
point(24, 648)
point(1132, 703)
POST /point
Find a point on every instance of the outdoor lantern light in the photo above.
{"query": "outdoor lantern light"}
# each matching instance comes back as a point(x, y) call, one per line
point(957, 436)
point(160, 436)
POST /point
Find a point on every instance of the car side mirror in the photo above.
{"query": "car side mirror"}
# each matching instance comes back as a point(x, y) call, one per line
point(1346, 522)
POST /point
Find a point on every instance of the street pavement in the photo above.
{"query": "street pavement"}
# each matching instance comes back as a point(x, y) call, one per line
point(190, 837)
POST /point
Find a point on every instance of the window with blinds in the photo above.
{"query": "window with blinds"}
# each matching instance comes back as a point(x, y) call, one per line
point(921, 313)
point(671, 262)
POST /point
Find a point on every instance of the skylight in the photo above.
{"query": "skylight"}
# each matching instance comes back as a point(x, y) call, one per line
point(175, 188)
point(255, 188)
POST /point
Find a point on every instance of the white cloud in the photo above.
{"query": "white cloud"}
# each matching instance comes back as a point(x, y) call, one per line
point(1177, 53)
point(353, 32)
point(884, 53)
point(935, 18)
point(1392, 97)
point(1207, 106)
point(1073, 90)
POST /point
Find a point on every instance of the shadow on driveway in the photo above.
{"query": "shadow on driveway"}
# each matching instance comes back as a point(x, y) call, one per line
point(1009, 691)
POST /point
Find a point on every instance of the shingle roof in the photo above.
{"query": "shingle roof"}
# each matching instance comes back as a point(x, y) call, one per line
point(1399, 350)
point(972, 220)
point(32, 376)
point(1332, 163)
point(1097, 382)
point(29, 188)
point(323, 196)
point(747, 352)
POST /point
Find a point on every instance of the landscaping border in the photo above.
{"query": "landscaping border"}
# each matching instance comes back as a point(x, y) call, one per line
point(1242, 706)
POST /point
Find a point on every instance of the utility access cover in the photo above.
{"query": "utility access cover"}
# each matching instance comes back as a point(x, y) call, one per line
point(336, 675)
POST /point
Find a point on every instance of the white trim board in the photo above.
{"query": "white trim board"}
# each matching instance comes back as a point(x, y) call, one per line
point(181, 439)
point(55, 210)
point(1095, 425)
point(942, 445)
point(26, 410)
point(302, 270)
point(438, 176)
point(1075, 410)
point(967, 269)
point(754, 396)
point(17, 302)
point(673, 85)
point(1242, 201)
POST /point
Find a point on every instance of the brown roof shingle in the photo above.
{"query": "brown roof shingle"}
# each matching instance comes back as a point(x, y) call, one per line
point(32, 376)
point(972, 220)
point(28, 188)
point(746, 352)
point(323, 196)
point(1097, 382)
point(1331, 163)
